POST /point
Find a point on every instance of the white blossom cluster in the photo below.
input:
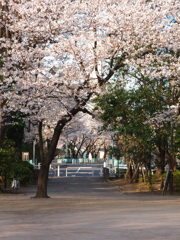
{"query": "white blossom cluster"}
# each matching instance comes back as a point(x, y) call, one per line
point(163, 117)
point(51, 62)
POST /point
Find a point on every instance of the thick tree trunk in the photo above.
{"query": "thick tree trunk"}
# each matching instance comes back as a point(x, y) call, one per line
point(43, 175)
point(42, 182)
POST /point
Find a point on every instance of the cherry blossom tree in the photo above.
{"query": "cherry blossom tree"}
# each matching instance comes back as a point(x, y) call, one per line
point(83, 134)
point(61, 53)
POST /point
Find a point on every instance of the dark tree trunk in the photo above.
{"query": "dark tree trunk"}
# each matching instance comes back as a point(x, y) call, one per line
point(136, 173)
point(129, 172)
point(42, 182)
point(78, 153)
point(105, 153)
point(143, 174)
point(1, 190)
point(41, 150)
point(43, 174)
point(5, 179)
point(161, 161)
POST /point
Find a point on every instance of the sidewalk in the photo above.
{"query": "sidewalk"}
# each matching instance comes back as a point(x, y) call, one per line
point(87, 209)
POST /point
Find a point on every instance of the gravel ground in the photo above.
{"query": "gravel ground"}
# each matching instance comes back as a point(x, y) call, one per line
point(88, 209)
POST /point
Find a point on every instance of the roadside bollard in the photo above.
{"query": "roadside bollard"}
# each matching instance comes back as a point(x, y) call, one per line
point(58, 171)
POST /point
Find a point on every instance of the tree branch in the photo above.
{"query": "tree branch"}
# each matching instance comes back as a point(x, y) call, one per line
point(85, 110)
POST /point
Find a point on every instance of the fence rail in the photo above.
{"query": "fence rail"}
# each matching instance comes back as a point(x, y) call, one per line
point(76, 171)
point(89, 170)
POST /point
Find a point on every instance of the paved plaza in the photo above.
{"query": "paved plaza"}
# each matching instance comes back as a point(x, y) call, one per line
point(86, 208)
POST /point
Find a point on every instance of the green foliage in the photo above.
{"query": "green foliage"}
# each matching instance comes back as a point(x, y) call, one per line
point(7, 155)
point(149, 181)
point(127, 111)
point(115, 152)
point(163, 176)
point(16, 130)
point(176, 180)
point(154, 179)
point(23, 171)
point(176, 176)
point(145, 183)
point(12, 166)
point(8, 158)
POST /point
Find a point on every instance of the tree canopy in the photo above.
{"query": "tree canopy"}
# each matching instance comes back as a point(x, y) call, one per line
point(134, 114)
point(59, 53)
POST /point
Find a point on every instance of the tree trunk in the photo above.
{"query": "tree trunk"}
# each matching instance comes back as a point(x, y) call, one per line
point(5, 179)
point(150, 180)
point(1, 190)
point(129, 173)
point(143, 173)
point(43, 174)
point(79, 149)
point(136, 173)
point(161, 161)
point(42, 182)
point(171, 184)
point(41, 142)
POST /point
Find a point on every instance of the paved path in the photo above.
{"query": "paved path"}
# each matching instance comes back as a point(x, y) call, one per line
point(88, 209)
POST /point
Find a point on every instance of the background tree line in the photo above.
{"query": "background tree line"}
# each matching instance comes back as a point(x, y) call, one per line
point(132, 114)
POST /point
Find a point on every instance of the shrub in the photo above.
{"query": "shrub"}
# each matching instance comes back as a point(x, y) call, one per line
point(176, 175)
point(149, 181)
point(23, 171)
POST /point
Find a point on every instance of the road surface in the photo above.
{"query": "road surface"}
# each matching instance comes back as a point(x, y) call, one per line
point(85, 208)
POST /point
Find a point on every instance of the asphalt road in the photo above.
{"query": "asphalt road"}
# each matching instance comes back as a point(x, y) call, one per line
point(85, 208)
